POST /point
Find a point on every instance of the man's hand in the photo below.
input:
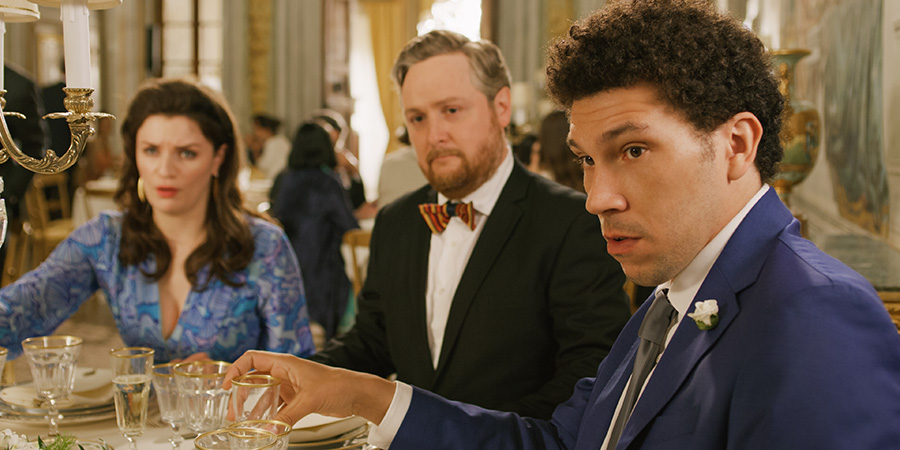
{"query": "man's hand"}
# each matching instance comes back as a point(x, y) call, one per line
point(309, 387)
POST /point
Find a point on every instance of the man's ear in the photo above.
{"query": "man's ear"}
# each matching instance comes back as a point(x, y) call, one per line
point(743, 132)
point(503, 106)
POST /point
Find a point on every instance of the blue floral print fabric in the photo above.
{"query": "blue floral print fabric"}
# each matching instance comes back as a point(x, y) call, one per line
point(268, 311)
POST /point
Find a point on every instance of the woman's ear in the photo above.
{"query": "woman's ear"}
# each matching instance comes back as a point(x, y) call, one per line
point(218, 159)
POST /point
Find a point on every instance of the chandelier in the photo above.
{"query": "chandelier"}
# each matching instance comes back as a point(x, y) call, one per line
point(79, 105)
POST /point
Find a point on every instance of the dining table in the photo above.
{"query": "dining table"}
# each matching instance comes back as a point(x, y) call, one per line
point(310, 433)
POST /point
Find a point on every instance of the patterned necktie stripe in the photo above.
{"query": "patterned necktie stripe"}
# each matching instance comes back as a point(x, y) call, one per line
point(438, 216)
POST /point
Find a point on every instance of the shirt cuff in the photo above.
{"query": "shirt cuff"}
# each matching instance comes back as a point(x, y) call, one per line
point(383, 435)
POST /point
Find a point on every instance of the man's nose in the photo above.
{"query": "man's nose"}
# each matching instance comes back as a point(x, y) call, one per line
point(603, 193)
point(437, 132)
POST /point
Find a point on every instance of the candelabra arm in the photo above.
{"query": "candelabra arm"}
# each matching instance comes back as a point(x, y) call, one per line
point(78, 103)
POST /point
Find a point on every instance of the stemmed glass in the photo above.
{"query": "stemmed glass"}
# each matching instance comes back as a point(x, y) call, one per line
point(170, 399)
point(52, 363)
point(131, 368)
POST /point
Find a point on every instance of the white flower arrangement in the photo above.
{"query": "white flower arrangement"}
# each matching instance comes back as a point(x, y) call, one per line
point(706, 314)
point(12, 441)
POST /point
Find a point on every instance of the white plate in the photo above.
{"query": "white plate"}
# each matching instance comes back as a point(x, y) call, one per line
point(316, 427)
point(93, 389)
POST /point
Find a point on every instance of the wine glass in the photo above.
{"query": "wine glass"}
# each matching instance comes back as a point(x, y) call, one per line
point(52, 363)
point(131, 368)
point(205, 401)
point(170, 399)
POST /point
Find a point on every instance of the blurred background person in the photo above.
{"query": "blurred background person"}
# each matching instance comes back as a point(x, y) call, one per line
point(268, 149)
point(552, 158)
point(30, 136)
point(185, 268)
point(311, 204)
point(97, 159)
point(346, 146)
point(400, 172)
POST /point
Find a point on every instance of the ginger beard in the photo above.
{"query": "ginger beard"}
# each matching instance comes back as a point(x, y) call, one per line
point(458, 176)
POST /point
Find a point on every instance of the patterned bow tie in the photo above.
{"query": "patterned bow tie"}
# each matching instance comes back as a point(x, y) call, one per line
point(438, 216)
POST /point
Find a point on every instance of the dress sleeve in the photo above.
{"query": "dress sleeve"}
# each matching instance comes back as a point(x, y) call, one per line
point(40, 300)
point(282, 300)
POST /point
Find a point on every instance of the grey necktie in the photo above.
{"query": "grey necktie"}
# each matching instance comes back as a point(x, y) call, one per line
point(653, 336)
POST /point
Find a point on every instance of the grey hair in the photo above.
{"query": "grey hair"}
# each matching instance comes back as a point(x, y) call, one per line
point(489, 70)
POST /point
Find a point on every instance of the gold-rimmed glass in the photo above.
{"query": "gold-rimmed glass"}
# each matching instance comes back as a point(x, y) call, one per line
point(52, 363)
point(281, 429)
point(169, 397)
point(255, 397)
point(205, 401)
point(132, 368)
point(237, 438)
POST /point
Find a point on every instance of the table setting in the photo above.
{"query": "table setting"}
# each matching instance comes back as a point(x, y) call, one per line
point(136, 404)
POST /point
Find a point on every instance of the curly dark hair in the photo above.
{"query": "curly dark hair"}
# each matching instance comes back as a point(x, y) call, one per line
point(229, 243)
point(703, 63)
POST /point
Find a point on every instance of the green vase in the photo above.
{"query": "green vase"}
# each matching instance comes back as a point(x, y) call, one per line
point(800, 127)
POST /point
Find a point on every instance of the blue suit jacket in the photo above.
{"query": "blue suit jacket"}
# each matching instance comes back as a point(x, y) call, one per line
point(804, 356)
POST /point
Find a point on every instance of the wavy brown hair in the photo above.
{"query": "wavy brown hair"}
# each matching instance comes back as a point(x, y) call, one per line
point(229, 243)
point(555, 154)
point(702, 63)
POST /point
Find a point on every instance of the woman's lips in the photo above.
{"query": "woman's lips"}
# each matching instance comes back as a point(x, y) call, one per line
point(166, 192)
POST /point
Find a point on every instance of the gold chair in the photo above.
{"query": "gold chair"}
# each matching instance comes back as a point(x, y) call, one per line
point(631, 289)
point(358, 242)
point(891, 301)
point(49, 214)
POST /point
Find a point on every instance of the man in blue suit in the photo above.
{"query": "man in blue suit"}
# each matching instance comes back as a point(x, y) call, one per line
point(675, 116)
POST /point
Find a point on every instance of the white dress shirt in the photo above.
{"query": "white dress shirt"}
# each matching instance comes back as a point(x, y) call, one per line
point(685, 285)
point(449, 252)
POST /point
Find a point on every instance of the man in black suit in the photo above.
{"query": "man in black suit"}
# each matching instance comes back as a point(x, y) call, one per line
point(29, 135)
point(505, 305)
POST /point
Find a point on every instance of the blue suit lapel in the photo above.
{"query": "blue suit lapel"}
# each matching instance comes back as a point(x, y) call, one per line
point(737, 267)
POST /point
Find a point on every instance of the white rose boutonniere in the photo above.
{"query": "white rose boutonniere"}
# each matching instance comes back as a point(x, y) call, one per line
point(706, 314)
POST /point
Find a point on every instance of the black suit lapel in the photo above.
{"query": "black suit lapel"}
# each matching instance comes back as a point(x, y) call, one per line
point(493, 239)
point(417, 265)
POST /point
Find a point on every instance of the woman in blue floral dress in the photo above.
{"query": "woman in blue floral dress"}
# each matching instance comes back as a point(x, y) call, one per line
point(186, 268)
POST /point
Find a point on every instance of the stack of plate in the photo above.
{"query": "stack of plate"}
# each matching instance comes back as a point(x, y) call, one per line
point(317, 432)
point(91, 400)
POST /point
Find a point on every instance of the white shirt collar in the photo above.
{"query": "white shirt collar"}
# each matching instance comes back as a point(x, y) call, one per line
point(683, 288)
point(485, 197)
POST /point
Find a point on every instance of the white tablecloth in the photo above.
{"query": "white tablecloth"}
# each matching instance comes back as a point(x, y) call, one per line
point(156, 436)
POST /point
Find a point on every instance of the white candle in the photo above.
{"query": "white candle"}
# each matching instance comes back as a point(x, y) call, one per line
point(77, 43)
